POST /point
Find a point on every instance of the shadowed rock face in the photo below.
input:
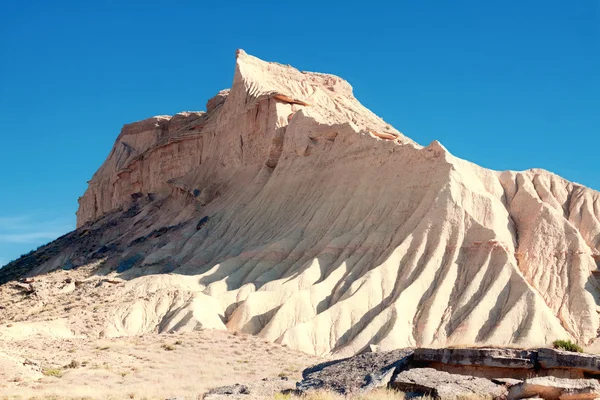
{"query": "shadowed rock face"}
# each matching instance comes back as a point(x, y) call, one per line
point(328, 230)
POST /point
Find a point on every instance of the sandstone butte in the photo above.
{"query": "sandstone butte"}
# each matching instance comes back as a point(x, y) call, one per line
point(290, 211)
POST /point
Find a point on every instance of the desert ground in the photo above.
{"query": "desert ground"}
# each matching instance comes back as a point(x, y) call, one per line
point(182, 365)
point(51, 345)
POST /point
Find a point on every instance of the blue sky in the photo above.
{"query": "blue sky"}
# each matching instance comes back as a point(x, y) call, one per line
point(508, 85)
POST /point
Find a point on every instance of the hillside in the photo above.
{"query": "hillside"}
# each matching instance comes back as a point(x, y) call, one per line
point(289, 211)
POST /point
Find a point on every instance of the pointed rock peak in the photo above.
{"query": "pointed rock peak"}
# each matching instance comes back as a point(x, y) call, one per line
point(329, 97)
point(240, 53)
point(435, 145)
point(284, 82)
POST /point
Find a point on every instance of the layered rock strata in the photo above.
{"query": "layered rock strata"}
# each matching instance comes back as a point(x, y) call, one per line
point(304, 218)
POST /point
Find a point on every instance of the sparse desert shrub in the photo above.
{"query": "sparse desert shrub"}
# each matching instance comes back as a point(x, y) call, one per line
point(567, 345)
point(74, 364)
point(291, 368)
point(178, 343)
point(282, 396)
point(168, 347)
point(52, 372)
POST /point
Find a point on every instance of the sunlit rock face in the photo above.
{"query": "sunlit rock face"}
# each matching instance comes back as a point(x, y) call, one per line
point(290, 211)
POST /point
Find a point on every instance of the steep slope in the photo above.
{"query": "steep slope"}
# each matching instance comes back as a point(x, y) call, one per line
point(290, 211)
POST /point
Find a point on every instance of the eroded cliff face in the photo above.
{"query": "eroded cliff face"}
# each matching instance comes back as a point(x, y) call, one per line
point(242, 130)
point(290, 211)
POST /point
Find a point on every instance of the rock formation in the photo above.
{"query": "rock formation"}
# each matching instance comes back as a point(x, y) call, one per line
point(290, 211)
point(451, 373)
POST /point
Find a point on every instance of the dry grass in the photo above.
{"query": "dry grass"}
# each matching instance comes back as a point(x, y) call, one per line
point(140, 366)
point(61, 330)
point(383, 394)
point(376, 394)
point(323, 395)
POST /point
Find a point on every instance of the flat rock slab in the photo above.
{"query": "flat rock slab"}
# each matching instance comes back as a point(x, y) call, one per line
point(497, 358)
point(361, 372)
point(552, 358)
point(551, 388)
point(443, 385)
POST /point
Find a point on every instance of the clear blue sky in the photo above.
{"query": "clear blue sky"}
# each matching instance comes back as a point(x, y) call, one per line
point(508, 85)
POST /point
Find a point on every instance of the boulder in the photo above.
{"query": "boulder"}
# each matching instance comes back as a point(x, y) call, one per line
point(231, 391)
point(440, 384)
point(551, 358)
point(264, 389)
point(552, 388)
point(489, 363)
point(497, 358)
point(362, 372)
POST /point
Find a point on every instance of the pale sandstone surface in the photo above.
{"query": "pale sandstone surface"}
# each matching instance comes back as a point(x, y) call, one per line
point(551, 388)
point(440, 384)
point(290, 211)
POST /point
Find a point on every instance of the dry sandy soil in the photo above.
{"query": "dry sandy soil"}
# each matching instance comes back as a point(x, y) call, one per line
point(51, 344)
point(149, 366)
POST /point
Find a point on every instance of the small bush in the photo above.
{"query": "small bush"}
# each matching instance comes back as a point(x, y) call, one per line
point(74, 364)
point(168, 347)
point(567, 345)
point(52, 372)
